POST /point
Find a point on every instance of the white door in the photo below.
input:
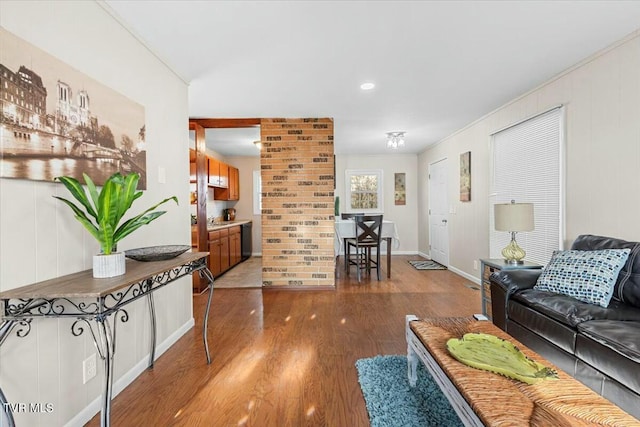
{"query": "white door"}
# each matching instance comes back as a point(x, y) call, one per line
point(438, 208)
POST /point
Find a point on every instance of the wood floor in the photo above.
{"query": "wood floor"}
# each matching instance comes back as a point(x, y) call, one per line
point(286, 358)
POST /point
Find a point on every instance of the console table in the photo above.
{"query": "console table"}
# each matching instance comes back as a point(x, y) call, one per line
point(92, 302)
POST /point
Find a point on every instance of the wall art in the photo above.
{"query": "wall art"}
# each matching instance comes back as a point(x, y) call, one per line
point(465, 177)
point(400, 190)
point(56, 120)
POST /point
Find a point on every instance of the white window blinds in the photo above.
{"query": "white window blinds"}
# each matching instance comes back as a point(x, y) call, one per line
point(527, 166)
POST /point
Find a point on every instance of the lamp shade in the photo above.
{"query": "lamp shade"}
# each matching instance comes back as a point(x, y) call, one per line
point(513, 216)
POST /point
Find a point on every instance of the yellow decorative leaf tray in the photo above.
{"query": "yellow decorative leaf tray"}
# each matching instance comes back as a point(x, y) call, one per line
point(490, 353)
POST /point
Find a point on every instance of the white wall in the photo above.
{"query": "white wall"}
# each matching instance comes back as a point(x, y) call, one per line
point(602, 99)
point(41, 239)
point(405, 216)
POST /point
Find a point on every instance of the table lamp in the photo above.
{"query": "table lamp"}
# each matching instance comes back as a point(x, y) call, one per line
point(513, 217)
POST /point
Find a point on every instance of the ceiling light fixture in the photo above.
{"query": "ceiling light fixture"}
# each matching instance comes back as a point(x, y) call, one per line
point(367, 86)
point(258, 144)
point(395, 140)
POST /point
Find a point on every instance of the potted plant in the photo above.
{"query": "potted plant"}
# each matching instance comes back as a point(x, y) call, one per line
point(101, 212)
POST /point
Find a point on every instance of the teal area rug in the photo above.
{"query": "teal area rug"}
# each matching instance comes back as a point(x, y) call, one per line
point(427, 265)
point(392, 402)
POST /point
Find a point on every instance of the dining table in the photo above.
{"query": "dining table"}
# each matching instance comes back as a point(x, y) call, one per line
point(346, 228)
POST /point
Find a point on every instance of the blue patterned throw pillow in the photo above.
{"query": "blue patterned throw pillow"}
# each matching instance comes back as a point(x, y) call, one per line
point(588, 276)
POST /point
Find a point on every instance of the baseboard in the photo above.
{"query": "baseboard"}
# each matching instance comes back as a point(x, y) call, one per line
point(95, 406)
point(474, 279)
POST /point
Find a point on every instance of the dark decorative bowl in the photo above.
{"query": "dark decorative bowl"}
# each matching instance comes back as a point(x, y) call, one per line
point(156, 253)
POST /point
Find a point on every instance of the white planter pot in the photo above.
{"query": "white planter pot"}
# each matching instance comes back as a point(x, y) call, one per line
point(108, 265)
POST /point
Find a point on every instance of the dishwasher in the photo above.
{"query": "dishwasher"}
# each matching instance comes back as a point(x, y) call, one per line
point(246, 241)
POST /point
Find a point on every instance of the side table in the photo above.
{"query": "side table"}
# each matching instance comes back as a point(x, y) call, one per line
point(490, 266)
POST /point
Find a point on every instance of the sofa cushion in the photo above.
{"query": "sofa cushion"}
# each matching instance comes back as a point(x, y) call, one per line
point(572, 312)
point(627, 287)
point(613, 347)
point(557, 333)
point(588, 276)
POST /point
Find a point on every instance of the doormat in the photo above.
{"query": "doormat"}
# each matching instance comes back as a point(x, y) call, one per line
point(427, 265)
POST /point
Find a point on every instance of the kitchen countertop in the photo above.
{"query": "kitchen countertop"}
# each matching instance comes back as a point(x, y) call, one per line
point(224, 224)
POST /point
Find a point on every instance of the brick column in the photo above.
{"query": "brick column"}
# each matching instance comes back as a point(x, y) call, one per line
point(297, 203)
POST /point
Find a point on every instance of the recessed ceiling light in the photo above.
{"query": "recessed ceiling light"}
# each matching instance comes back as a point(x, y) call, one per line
point(367, 86)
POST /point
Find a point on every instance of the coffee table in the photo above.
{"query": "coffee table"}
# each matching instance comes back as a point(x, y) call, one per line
point(483, 398)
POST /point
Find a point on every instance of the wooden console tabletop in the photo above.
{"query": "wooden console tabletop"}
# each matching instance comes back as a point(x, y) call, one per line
point(97, 305)
point(497, 400)
point(83, 285)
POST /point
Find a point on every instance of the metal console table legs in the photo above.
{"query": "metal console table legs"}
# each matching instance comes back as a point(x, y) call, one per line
point(97, 305)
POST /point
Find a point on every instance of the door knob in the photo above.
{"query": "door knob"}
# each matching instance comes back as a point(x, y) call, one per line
point(444, 221)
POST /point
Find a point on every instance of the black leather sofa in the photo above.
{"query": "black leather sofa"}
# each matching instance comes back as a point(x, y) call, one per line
point(598, 346)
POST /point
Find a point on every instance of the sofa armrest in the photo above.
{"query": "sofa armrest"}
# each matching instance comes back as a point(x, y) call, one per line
point(513, 281)
point(505, 283)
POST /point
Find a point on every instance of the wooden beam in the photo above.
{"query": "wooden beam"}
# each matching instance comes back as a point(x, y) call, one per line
point(201, 189)
point(226, 123)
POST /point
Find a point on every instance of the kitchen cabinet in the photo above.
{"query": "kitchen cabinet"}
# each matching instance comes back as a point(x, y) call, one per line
point(234, 183)
point(232, 190)
point(223, 175)
point(219, 251)
point(225, 251)
point(213, 171)
point(235, 245)
point(218, 173)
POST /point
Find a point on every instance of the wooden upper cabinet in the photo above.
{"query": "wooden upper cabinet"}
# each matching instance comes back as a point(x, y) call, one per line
point(214, 172)
point(234, 183)
point(232, 190)
point(223, 180)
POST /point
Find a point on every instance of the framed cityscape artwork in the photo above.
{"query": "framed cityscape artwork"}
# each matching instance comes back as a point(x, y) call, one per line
point(58, 121)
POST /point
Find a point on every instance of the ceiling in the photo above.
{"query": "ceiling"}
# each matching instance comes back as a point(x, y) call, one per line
point(437, 65)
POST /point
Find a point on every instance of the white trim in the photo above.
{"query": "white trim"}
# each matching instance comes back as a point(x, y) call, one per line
point(105, 6)
point(533, 116)
point(558, 76)
point(257, 192)
point(95, 406)
point(425, 255)
point(563, 176)
point(467, 276)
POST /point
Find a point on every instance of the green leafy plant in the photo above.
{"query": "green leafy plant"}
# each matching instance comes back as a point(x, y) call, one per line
point(101, 212)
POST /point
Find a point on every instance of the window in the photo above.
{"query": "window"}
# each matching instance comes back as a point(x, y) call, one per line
point(363, 190)
point(257, 193)
point(527, 166)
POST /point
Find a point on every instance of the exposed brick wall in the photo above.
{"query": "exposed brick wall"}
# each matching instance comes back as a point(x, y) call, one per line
point(297, 202)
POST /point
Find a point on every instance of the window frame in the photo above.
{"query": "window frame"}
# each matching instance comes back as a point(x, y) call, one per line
point(354, 172)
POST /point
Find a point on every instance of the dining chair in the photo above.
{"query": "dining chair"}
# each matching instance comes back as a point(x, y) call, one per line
point(347, 215)
point(368, 232)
